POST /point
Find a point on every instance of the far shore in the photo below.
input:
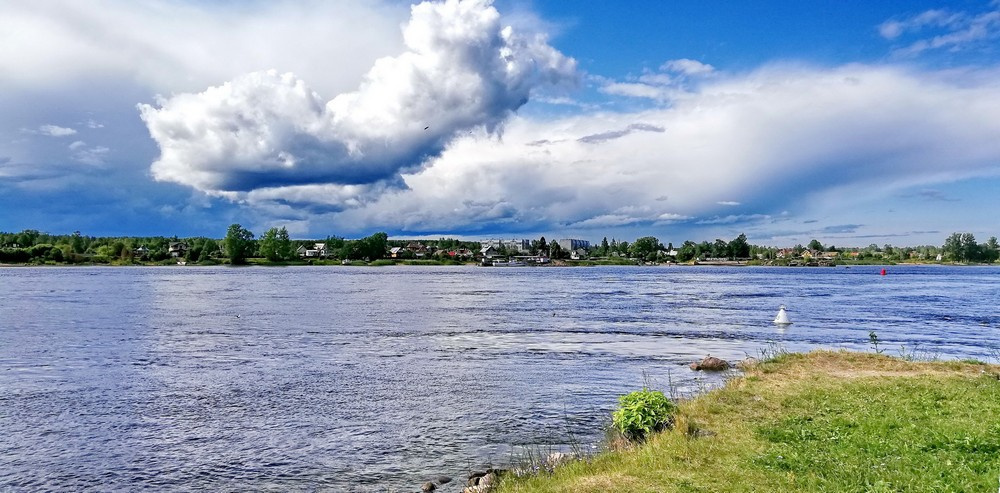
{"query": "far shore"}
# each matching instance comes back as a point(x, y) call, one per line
point(553, 264)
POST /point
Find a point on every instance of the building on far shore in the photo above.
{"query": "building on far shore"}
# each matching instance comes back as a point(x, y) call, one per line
point(512, 245)
point(569, 244)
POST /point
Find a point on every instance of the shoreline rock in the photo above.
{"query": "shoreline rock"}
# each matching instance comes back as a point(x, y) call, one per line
point(710, 363)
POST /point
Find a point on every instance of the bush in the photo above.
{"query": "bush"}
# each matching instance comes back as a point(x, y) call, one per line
point(643, 412)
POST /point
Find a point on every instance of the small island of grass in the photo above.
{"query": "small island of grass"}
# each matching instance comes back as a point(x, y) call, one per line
point(823, 421)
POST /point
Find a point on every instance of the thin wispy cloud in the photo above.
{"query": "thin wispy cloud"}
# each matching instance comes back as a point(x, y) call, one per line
point(841, 228)
point(687, 66)
point(89, 155)
point(674, 79)
point(617, 134)
point(735, 218)
point(54, 131)
point(940, 29)
point(930, 194)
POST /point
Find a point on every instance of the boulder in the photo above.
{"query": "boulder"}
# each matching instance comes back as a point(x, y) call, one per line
point(427, 487)
point(474, 478)
point(710, 363)
point(488, 480)
point(443, 480)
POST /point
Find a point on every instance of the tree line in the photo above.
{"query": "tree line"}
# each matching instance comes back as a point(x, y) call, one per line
point(275, 245)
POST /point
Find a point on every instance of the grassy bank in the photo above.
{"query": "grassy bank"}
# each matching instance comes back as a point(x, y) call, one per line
point(823, 421)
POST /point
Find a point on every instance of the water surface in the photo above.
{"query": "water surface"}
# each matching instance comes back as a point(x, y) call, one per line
point(377, 379)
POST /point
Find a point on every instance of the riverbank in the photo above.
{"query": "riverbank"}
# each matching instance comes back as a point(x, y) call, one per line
point(822, 421)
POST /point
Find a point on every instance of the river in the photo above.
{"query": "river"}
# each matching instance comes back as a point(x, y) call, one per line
point(377, 379)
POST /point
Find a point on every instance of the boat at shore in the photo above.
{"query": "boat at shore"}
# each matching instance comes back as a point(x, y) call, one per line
point(508, 263)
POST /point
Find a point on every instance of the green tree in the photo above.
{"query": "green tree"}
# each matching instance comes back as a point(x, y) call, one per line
point(540, 246)
point(643, 247)
point(77, 243)
point(970, 249)
point(815, 245)
point(720, 249)
point(952, 247)
point(210, 249)
point(269, 245)
point(370, 247)
point(285, 250)
point(239, 244)
point(739, 248)
point(688, 251)
point(556, 251)
point(990, 251)
point(623, 248)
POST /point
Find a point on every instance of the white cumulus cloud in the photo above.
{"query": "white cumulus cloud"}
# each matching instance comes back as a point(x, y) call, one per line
point(462, 70)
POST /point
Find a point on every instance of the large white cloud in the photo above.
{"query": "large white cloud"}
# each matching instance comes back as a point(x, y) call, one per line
point(169, 45)
point(462, 70)
point(779, 138)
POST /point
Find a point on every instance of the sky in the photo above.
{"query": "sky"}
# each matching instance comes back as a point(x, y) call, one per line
point(848, 122)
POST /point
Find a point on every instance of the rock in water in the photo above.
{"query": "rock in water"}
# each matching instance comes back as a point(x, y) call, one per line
point(428, 486)
point(710, 363)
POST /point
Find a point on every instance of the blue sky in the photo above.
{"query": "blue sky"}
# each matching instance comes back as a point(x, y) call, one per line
point(851, 123)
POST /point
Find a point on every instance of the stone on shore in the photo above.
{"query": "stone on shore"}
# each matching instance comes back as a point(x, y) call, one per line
point(710, 363)
point(484, 481)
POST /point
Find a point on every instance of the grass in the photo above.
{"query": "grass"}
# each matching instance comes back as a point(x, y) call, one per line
point(823, 421)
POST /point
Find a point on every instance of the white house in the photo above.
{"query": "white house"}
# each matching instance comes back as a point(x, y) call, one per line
point(317, 251)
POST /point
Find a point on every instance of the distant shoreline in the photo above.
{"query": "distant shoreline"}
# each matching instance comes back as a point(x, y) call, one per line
point(557, 264)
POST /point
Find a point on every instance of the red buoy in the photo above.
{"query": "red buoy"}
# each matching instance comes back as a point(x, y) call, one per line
point(883, 271)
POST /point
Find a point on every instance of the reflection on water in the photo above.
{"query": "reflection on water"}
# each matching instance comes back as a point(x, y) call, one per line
point(357, 379)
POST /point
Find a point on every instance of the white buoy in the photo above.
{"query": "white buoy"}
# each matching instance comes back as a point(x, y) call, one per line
point(782, 318)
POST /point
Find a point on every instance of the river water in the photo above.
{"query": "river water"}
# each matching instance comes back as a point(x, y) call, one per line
point(377, 379)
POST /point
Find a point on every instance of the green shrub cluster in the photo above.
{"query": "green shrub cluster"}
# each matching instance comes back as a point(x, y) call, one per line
point(643, 412)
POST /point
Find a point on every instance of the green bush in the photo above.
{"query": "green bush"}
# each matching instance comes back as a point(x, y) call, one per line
point(643, 412)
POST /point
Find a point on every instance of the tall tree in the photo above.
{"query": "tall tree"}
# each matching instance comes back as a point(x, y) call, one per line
point(990, 250)
point(285, 250)
point(210, 248)
point(269, 245)
point(739, 248)
point(239, 244)
point(556, 251)
point(970, 249)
